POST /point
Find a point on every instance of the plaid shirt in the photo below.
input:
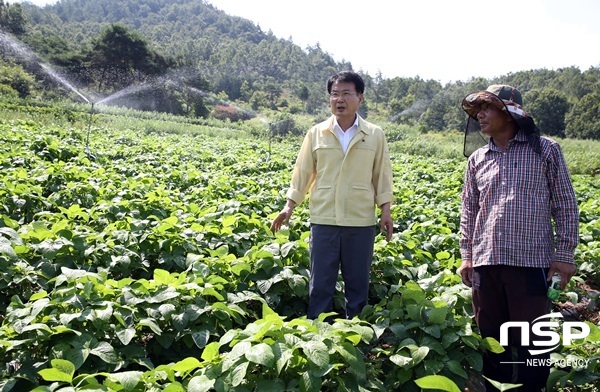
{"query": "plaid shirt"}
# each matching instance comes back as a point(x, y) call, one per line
point(510, 198)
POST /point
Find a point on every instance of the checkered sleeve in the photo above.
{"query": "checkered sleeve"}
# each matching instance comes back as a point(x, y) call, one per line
point(564, 209)
point(470, 208)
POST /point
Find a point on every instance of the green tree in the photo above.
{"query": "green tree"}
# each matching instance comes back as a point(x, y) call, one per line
point(303, 94)
point(11, 18)
point(14, 81)
point(246, 90)
point(583, 121)
point(548, 107)
point(122, 57)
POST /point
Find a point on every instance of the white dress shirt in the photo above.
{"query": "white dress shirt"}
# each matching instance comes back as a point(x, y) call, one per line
point(345, 136)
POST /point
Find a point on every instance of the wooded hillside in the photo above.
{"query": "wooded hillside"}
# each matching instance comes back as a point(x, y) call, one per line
point(201, 47)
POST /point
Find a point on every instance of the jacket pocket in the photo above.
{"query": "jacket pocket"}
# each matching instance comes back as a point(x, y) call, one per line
point(362, 201)
point(322, 201)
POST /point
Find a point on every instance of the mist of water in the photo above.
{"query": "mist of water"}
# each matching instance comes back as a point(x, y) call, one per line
point(135, 88)
point(60, 79)
point(416, 108)
point(21, 51)
point(176, 80)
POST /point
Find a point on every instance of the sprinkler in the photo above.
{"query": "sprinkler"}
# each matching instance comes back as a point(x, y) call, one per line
point(87, 138)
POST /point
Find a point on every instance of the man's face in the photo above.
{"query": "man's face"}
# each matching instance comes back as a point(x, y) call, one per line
point(344, 100)
point(493, 121)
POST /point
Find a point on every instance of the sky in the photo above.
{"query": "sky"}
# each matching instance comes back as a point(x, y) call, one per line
point(443, 40)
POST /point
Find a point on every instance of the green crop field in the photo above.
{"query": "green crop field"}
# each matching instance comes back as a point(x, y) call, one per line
point(151, 267)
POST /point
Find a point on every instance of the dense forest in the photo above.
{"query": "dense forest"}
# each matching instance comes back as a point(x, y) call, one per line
point(193, 59)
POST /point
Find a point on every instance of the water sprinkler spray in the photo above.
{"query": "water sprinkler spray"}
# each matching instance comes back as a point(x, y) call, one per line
point(87, 138)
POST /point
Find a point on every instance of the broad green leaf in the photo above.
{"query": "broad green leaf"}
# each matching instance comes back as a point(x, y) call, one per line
point(74, 352)
point(201, 337)
point(448, 338)
point(62, 370)
point(267, 311)
point(492, 345)
point(283, 354)
point(353, 358)
point(38, 295)
point(502, 386)
point(456, 368)
point(64, 366)
point(174, 387)
point(400, 360)
point(415, 294)
point(163, 295)
point(443, 255)
point(55, 375)
point(310, 383)
point(437, 382)
point(238, 374)
point(37, 327)
point(316, 352)
point(433, 366)
point(209, 291)
point(200, 384)
point(475, 359)
point(433, 330)
point(239, 350)
point(162, 277)
point(186, 365)
point(106, 352)
point(594, 335)
point(419, 354)
point(470, 341)
point(7, 249)
point(150, 324)
point(264, 285)
point(261, 354)
point(211, 351)
point(12, 234)
point(286, 248)
point(125, 334)
point(437, 315)
point(129, 380)
point(238, 268)
point(228, 221)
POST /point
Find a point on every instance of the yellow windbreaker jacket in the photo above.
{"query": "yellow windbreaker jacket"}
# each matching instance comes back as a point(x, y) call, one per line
point(344, 188)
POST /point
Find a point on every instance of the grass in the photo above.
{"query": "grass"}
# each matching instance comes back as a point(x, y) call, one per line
point(582, 156)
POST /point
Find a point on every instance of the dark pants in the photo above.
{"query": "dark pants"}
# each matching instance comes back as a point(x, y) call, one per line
point(503, 293)
point(330, 247)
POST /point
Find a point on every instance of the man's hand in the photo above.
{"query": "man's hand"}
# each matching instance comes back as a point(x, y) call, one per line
point(565, 270)
point(466, 272)
point(284, 216)
point(387, 224)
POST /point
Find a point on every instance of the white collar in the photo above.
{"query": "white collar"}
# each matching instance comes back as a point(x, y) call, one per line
point(337, 127)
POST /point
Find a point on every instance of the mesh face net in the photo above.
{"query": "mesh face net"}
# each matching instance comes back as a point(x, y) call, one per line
point(474, 138)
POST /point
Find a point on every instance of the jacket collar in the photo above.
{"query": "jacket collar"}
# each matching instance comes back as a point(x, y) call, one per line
point(362, 126)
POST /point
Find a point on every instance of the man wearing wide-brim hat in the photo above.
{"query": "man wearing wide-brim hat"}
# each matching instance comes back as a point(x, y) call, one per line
point(519, 226)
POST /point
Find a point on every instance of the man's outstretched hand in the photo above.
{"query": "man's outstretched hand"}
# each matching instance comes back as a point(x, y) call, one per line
point(284, 216)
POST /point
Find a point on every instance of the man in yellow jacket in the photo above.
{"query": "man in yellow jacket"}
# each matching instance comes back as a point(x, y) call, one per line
point(344, 163)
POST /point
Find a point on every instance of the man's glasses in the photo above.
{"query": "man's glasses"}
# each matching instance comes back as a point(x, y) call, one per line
point(343, 94)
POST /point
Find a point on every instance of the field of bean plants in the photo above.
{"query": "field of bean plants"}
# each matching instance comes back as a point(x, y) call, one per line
point(145, 262)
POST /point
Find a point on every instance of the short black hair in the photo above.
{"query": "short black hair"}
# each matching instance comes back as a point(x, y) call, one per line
point(348, 77)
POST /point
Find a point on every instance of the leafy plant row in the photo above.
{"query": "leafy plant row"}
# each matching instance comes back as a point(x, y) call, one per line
point(153, 268)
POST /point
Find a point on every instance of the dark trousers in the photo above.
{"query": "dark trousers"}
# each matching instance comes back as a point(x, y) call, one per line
point(332, 247)
point(504, 293)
